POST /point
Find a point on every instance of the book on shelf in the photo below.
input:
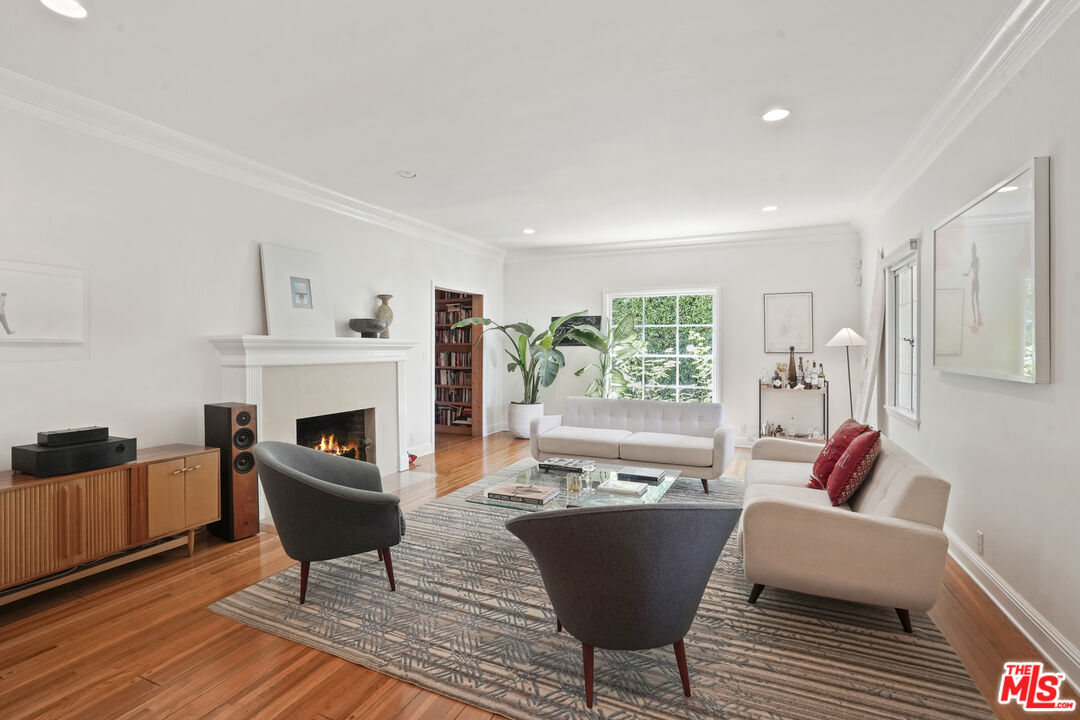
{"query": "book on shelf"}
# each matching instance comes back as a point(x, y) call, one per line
point(524, 494)
point(623, 487)
point(563, 464)
point(652, 476)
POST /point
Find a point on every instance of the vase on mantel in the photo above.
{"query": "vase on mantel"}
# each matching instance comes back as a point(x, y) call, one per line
point(383, 312)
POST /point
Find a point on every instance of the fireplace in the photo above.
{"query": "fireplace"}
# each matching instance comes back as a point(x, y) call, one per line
point(349, 434)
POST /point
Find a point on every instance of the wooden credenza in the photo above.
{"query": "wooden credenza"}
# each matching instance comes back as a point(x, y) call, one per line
point(107, 517)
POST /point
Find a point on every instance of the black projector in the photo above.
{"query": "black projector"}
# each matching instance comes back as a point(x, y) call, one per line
point(45, 461)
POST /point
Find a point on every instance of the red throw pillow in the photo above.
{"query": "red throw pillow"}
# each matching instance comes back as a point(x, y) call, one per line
point(854, 466)
point(833, 450)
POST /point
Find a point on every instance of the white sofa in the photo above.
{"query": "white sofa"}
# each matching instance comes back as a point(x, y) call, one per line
point(884, 547)
point(689, 437)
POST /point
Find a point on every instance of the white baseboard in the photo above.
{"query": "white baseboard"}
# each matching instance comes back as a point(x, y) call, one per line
point(497, 427)
point(744, 442)
point(422, 450)
point(1043, 635)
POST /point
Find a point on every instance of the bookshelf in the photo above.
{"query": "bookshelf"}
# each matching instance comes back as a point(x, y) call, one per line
point(459, 365)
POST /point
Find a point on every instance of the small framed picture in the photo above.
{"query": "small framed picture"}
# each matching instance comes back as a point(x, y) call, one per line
point(301, 292)
point(789, 321)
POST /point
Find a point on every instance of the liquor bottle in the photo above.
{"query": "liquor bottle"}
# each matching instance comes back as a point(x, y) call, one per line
point(776, 381)
point(801, 375)
point(792, 373)
point(821, 376)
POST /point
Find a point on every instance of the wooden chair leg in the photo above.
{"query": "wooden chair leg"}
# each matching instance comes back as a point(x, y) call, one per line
point(755, 592)
point(380, 554)
point(684, 672)
point(304, 567)
point(905, 619)
point(587, 657)
point(389, 568)
point(705, 484)
point(558, 625)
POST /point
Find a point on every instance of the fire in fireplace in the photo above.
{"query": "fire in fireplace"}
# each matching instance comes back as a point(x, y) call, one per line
point(349, 434)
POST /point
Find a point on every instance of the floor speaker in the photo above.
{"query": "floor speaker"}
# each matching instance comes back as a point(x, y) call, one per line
point(231, 427)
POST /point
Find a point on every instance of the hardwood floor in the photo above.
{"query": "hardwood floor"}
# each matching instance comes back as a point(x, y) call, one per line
point(138, 642)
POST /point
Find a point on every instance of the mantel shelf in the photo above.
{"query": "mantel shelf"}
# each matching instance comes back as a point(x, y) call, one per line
point(267, 351)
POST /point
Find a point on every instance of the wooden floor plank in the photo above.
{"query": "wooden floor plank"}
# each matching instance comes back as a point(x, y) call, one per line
point(137, 642)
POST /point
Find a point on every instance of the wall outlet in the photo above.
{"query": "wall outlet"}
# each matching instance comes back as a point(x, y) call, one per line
point(979, 542)
point(742, 429)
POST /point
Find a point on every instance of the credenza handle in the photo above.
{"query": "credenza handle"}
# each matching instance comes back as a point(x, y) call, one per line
point(194, 468)
point(181, 470)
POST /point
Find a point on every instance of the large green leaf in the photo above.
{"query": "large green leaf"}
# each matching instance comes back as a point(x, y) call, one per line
point(523, 328)
point(470, 321)
point(548, 366)
point(556, 323)
point(590, 336)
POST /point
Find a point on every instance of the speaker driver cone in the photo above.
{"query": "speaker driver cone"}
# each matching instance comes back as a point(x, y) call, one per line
point(243, 438)
point(243, 462)
point(243, 417)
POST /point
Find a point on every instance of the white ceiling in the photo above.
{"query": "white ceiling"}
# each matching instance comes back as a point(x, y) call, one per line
point(597, 121)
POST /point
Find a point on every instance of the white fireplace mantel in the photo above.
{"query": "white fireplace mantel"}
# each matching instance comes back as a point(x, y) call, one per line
point(240, 351)
point(243, 358)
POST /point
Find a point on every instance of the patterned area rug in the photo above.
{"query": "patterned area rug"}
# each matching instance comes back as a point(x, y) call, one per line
point(470, 620)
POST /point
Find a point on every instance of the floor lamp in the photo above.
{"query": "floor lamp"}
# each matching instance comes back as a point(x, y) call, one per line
point(845, 339)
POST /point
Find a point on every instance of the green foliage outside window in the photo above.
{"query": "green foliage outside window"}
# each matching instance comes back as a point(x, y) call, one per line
point(677, 334)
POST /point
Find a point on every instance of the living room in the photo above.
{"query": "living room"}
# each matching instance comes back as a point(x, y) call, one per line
point(168, 164)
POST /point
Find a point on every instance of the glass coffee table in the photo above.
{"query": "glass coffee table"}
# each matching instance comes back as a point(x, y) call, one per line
point(585, 498)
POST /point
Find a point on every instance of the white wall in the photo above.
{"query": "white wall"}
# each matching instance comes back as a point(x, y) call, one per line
point(1009, 449)
point(541, 288)
point(173, 258)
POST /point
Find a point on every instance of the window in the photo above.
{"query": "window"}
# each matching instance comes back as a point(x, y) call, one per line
point(678, 330)
point(903, 336)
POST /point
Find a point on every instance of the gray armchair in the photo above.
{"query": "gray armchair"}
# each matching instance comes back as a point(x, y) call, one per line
point(325, 506)
point(629, 577)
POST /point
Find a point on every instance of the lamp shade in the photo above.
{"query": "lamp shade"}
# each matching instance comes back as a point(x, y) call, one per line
point(846, 337)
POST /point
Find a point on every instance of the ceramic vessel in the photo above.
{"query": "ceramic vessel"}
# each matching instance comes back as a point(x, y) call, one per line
point(520, 417)
point(367, 327)
point(383, 312)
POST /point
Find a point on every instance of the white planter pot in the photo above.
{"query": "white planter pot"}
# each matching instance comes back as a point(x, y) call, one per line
point(521, 416)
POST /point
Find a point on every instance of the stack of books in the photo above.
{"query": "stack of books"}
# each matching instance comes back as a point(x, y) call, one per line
point(524, 494)
point(623, 487)
point(563, 464)
point(652, 476)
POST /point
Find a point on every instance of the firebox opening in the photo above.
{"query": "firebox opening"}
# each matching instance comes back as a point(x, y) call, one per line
point(349, 434)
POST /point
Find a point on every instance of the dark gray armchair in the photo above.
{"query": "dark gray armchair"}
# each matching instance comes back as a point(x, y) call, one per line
point(325, 506)
point(627, 578)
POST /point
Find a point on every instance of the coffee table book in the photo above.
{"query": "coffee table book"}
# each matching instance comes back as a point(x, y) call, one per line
point(525, 494)
point(623, 487)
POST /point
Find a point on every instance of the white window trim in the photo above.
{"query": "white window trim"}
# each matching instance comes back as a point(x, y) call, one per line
point(907, 253)
point(714, 291)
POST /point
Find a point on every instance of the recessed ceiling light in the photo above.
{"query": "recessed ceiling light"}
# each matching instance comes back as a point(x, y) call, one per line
point(528, 231)
point(770, 208)
point(407, 174)
point(776, 114)
point(1009, 188)
point(68, 8)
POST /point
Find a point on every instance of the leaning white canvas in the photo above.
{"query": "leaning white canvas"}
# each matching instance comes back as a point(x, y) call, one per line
point(43, 303)
point(297, 293)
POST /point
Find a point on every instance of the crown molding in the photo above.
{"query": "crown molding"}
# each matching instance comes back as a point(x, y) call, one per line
point(1016, 37)
point(817, 233)
point(39, 100)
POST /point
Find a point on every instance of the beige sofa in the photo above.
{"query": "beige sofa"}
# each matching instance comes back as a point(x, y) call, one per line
point(689, 437)
point(884, 547)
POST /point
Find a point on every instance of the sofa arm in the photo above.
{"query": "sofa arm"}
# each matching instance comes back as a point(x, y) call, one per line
point(838, 553)
point(538, 427)
point(769, 448)
point(723, 448)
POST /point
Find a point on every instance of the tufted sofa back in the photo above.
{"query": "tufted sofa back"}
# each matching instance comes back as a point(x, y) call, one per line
point(698, 419)
point(902, 487)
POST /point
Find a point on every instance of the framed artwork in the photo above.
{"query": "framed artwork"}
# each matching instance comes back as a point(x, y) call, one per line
point(593, 320)
point(789, 320)
point(43, 303)
point(992, 281)
point(297, 293)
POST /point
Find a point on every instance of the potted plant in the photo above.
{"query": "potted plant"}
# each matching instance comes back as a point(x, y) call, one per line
point(536, 356)
point(620, 342)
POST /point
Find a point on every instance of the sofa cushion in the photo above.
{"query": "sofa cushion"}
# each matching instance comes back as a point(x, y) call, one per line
point(698, 419)
point(667, 448)
point(590, 442)
point(795, 493)
point(833, 450)
point(776, 472)
point(854, 466)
